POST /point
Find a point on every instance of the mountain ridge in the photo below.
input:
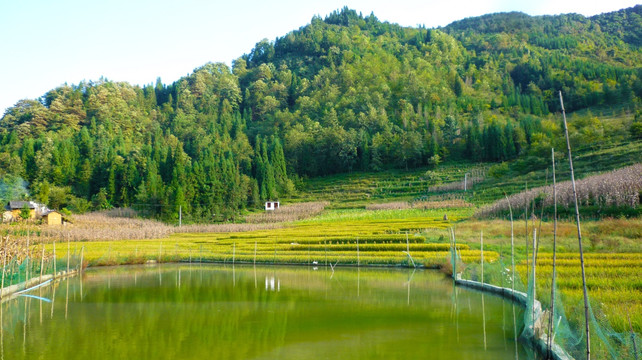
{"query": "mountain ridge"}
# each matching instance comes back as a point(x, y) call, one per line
point(344, 93)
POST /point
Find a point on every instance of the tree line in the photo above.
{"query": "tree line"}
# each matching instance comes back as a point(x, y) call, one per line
point(344, 93)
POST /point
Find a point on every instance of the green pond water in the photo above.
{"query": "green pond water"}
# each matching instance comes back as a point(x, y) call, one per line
point(221, 312)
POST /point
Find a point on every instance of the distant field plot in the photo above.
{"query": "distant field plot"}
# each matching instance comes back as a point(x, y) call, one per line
point(341, 237)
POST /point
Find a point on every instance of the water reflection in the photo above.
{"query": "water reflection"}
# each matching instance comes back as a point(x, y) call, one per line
point(269, 283)
point(299, 313)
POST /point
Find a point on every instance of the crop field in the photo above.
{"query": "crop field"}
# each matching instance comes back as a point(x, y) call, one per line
point(341, 237)
point(613, 281)
point(359, 190)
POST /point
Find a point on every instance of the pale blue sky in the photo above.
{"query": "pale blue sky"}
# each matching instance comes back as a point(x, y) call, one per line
point(45, 43)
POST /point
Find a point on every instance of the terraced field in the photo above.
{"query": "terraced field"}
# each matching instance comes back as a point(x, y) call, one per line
point(613, 281)
point(337, 237)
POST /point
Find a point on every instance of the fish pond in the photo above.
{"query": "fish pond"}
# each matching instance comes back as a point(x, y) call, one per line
point(182, 311)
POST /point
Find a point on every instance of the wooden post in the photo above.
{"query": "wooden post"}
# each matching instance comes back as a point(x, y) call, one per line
point(465, 182)
point(180, 215)
point(579, 235)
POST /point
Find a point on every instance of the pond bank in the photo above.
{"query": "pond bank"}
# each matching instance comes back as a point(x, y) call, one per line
point(10, 291)
point(533, 334)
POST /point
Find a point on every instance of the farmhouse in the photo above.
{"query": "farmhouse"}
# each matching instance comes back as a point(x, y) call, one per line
point(271, 205)
point(52, 217)
point(15, 208)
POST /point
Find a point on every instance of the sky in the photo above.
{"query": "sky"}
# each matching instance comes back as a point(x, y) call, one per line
point(45, 43)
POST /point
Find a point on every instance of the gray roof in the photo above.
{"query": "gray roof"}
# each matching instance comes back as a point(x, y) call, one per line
point(15, 205)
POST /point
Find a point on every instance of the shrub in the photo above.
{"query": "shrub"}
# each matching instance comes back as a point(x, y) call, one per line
point(498, 170)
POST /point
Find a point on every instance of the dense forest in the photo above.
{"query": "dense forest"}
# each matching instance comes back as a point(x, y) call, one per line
point(344, 93)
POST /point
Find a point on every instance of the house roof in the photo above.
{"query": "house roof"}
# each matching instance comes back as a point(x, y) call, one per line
point(51, 211)
point(15, 205)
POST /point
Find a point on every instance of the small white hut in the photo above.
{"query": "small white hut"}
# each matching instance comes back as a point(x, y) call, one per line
point(271, 205)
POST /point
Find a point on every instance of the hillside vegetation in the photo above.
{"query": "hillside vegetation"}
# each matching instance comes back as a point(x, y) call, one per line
point(342, 94)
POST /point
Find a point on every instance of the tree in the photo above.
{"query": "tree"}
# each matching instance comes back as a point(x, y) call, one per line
point(43, 193)
point(25, 212)
point(99, 201)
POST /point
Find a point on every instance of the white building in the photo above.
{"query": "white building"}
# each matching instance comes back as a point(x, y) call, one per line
point(271, 205)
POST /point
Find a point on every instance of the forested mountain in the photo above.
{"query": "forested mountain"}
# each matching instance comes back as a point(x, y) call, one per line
point(344, 93)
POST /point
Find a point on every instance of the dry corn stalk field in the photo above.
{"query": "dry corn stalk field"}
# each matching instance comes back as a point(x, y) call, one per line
point(620, 187)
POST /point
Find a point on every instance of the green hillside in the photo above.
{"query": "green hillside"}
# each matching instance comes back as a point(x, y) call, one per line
point(343, 94)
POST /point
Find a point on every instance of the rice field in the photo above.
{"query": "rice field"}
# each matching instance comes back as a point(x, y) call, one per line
point(613, 280)
point(336, 237)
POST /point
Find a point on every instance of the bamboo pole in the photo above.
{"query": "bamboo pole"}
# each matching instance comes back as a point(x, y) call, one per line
point(4, 264)
point(512, 243)
point(255, 253)
point(513, 275)
point(27, 259)
point(68, 253)
point(534, 266)
point(541, 216)
point(233, 253)
point(358, 259)
point(82, 256)
point(54, 258)
point(325, 251)
point(552, 316)
point(526, 227)
point(42, 262)
point(579, 235)
point(481, 241)
point(452, 232)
